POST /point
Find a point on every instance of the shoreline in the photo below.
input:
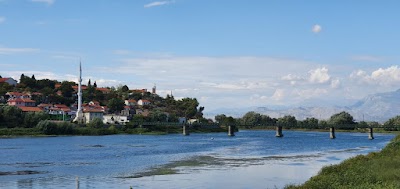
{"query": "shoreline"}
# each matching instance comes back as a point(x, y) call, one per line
point(373, 170)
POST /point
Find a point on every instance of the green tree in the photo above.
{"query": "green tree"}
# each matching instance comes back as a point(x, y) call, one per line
point(66, 89)
point(31, 119)
point(124, 88)
point(251, 118)
point(342, 118)
point(96, 123)
point(115, 105)
point(12, 116)
point(287, 121)
point(311, 123)
point(158, 116)
point(220, 118)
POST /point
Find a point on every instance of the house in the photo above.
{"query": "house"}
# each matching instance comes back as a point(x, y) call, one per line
point(103, 90)
point(142, 91)
point(59, 109)
point(14, 95)
point(143, 102)
point(93, 106)
point(130, 102)
point(45, 107)
point(92, 114)
point(20, 102)
point(9, 80)
point(115, 119)
point(30, 109)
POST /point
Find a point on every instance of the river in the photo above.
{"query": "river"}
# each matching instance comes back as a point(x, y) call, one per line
point(251, 159)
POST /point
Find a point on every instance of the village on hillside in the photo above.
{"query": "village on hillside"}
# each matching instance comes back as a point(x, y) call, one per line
point(113, 105)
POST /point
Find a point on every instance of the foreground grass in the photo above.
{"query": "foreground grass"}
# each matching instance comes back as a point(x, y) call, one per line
point(375, 170)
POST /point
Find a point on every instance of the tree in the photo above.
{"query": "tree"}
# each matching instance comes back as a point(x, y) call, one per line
point(12, 116)
point(158, 116)
point(288, 121)
point(95, 84)
point(311, 123)
point(115, 105)
point(96, 123)
point(251, 118)
point(395, 121)
point(66, 89)
point(89, 83)
point(220, 118)
point(124, 88)
point(342, 118)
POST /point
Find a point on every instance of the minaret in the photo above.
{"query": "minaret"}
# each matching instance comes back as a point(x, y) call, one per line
point(79, 113)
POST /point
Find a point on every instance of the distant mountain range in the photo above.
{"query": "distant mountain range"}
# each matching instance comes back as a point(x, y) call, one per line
point(376, 107)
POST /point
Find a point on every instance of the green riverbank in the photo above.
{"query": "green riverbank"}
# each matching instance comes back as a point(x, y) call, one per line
point(375, 170)
point(68, 129)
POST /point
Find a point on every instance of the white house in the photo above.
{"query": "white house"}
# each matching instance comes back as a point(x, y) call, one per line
point(115, 119)
point(92, 114)
point(8, 80)
point(130, 102)
point(143, 102)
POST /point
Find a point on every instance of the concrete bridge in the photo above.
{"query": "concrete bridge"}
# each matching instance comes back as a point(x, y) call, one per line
point(279, 129)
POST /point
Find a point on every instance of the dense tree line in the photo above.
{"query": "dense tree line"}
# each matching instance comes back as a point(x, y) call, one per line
point(342, 120)
point(12, 116)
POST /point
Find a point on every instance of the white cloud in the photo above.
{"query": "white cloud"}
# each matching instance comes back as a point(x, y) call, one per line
point(389, 76)
point(48, 2)
point(316, 28)
point(367, 58)
point(319, 75)
point(7, 50)
point(2, 19)
point(335, 83)
point(158, 3)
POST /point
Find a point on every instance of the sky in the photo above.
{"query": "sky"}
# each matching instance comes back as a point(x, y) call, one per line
point(225, 53)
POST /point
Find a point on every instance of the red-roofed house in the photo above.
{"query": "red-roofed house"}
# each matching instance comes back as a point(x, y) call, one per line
point(21, 102)
point(8, 80)
point(143, 102)
point(130, 102)
point(30, 109)
point(103, 90)
point(13, 95)
point(142, 91)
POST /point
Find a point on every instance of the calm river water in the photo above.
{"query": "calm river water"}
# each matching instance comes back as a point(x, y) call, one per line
point(251, 159)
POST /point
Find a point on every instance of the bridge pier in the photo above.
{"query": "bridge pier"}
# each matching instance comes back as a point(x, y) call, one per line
point(332, 133)
point(185, 130)
point(279, 131)
point(231, 130)
point(370, 133)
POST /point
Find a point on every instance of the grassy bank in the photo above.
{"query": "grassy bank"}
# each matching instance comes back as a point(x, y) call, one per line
point(375, 170)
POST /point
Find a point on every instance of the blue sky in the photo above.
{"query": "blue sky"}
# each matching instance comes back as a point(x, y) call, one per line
point(224, 53)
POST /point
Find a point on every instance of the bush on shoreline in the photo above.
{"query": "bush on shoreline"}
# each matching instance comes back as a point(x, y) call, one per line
point(375, 170)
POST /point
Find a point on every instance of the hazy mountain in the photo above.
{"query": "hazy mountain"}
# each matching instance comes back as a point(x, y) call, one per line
point(376, 107)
